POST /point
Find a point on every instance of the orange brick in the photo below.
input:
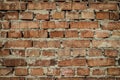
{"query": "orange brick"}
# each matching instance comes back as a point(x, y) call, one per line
point(48, 53)
point(83, 71)
point(94, 52)
point(58, 15)
point(87, 34)
point(11, 16)
point(102, 15)
point(67, 72)
point(18, 44)
point(79, 6)
point(14, 34)
point(4, 52)
point(78, 52)
point(111, 53)
point(35, 34)
point(101, 62)
point(36, 72)
point(71, 33)
point(76, 43)
point(84, 25)
point(21, 71)
point(41, 16)
point(98, 72)
point(87, 15)
point(113, 71)
point(72, 15)
point(65, 5)
point(26, 15)
point(104, 6)
point(55, 34)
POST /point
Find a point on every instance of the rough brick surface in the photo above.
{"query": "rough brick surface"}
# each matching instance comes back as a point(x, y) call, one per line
point(59, 40)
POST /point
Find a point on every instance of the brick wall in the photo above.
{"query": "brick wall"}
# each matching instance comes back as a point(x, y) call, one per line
point(59, 40)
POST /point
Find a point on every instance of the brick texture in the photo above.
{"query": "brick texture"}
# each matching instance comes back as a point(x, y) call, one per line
point(59, 40)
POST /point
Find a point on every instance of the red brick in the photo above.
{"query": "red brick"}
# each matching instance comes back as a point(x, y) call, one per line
point(41, 5)
point(53, 72)
point(52, 24)
point(18, 52)
point(41, 16)
point(87, 15)
point(71, 33)
point(76, 43)
point(94, 52)
point(104, 6)
point(58, 15)
point(111, 53)
point(78, 52)
point(46, 44)
point(36, 72)
point(43, 63)
point(64, 53)
point(65, 5)
point(48, 53)
point(5, 25)
point(114, 71)
point(102, 15)
point(112, 26)
point(18, 44)
point(72, 15)
point(13, 6)
point(102, 34)
point(87, 34)
point(4, 52)
point(32, 53)
point(26, 15)
point(67, 72)
point(12, 78)
point(14, 62)
point(21, 71)
point(79, 6)
point(5, 71)
point(72, 62)
point(57, 34)
point(101, 62)
point(14, 34)
point(83, 71)
point(25, 24)
point(114, 15)
point(106, 43)
point(35, 34)
point(98, 72)
point(11, 16)
point(84, 25)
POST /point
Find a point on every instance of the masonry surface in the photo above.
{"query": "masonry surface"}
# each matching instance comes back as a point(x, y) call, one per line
point(59, 40)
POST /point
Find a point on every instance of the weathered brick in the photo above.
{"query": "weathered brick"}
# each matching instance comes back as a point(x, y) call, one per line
point(14, 62)
point(56, 34)
point(35, 34)
point(4, 52)
point(83, 71)
point(72, 62)
point(5, 25)
point(79, 6)
point(25, 24)
point(11, 15)
point(76, 43)
point(48, 53)
point(65, 5)
point(26, 15)
point(14, 34)
point(84, 25)
point(46, 44)
point(21, 71)
point(78, 52)
point(104, 6)
point(63, 53)
point(5, 71)
point(32, 53)
point(18, 44)
point(42, 16)
point(67, 72)
point(72, 15)
point(114, 15)
point(101, 62)
point(87, 15)
point(111, 53)
point(98, 72)
point(102, 34)
point(18, 52)
point(36, 72)
point(94, 52)
point(58, 15)
point(52, 24)
point(112, 26)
